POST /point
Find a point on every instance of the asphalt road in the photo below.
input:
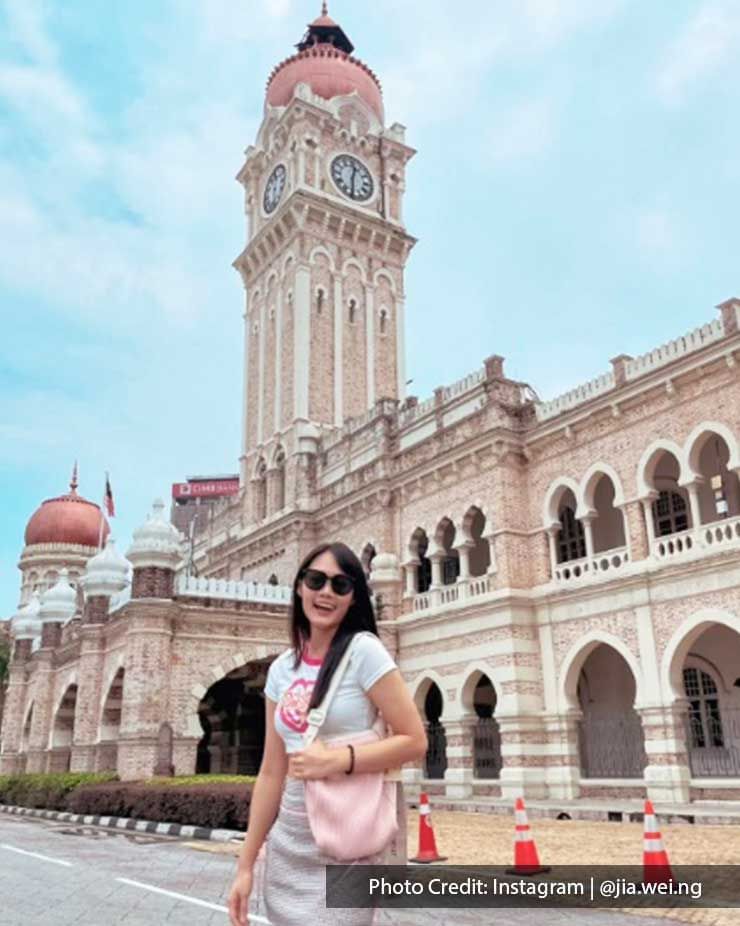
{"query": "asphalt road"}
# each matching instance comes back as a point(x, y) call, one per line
point(69, 875)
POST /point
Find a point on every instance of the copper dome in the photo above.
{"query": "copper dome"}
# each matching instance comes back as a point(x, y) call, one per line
point(68, 519)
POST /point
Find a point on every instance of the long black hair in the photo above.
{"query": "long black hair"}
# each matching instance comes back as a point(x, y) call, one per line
point(360, 615)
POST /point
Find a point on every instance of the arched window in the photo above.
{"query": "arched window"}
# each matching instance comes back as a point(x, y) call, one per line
point(273, 580)
point(670, 513)
point(352, 311)
point(280, 480)
point(320, 296)
point(260, 491)
point(571, 539)
point(383, 320)
point(705, 721)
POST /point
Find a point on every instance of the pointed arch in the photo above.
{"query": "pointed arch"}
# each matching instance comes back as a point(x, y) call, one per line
point(577, 656)
point(696, 439)
point(650, 458)
point(590, 480)
point(558, 487)
point(681, 641)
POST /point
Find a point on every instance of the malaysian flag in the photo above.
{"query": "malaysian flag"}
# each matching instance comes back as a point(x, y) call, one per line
point(108, 498)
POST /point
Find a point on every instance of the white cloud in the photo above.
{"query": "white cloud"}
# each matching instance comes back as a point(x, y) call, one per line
point(657, 232)
point(522, 133)
point(26, 27)
point(708, 43)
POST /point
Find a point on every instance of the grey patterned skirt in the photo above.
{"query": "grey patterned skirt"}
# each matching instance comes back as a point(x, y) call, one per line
point(290, 890)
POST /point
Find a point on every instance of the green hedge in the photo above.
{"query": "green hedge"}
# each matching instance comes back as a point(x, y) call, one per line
point(48, 791)
point(220, 805)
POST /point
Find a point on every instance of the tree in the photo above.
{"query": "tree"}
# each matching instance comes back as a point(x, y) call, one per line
point(4, 661)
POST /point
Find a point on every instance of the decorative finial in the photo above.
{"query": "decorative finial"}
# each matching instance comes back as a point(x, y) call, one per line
point(73, 484)
point(324, 9)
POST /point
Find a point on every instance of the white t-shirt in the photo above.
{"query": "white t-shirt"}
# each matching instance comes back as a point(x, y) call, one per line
point(351, 711)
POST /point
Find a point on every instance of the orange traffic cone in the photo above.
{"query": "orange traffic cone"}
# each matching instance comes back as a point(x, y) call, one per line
point(656, 867)
point(526, 859)
point(427, 844)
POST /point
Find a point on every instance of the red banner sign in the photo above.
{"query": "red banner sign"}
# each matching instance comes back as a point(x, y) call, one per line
point(210, 489)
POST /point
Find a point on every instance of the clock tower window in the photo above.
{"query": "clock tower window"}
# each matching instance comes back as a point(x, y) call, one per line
point(352, 311)
point(383, 320)
point(320, 296)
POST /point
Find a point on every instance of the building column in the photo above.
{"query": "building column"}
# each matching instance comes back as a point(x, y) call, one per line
point(647, 511)
point(14, 712)
point(463, 552)
point(459, 774)
point(277, 415)
point(410, 569)
point(89, 692)
point(245, 388)
point(561, 731)
point(667, 774)
point(400, 347)
point(261, 374)
point(436, 560)
point(42, 720)
point(491, 540)
point(523, 755)
point(338, 351)
point(635, 529)
point(588, 532)
point(302, 339)
point(370, 344)
point(552, 533)
point(693, 489)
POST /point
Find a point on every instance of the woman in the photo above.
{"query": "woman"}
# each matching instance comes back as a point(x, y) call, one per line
point(331, 604)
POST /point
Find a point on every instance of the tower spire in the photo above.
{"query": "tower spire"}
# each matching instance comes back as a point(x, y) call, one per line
point(73, 482)
point(324, 8)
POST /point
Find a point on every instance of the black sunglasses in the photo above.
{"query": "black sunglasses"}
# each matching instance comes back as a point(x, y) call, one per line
point(315, 579)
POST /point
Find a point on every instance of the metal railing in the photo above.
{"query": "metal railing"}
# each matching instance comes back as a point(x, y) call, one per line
point(612, 745)
point(435, 763)
point(487, 760)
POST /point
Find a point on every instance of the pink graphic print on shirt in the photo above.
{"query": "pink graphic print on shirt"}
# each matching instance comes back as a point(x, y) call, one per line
point(294, 704)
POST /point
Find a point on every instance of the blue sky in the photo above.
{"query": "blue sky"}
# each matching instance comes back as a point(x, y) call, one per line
point(575, 195)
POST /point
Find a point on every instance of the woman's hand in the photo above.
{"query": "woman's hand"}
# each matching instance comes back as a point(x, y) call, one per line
point(318, 761)
point(239, 897)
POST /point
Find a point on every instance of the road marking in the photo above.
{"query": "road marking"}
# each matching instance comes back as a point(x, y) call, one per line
point(161, 890)
point(193, 900)
point(44, 858)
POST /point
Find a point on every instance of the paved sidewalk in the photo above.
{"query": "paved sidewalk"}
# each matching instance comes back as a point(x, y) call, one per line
point(65, 874)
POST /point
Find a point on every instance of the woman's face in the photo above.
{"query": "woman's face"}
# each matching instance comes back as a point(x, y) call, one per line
point(323, 607)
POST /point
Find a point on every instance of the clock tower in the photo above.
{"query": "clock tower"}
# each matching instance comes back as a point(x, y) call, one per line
point(323, 266)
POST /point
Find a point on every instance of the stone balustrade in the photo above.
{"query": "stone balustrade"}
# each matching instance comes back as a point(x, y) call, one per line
point(232, 590)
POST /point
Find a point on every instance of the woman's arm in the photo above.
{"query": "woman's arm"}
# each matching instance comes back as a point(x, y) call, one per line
point(267, 791)
point(408, 742)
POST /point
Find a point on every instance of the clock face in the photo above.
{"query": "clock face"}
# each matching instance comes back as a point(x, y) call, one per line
point(274, 189)
point(352, 178)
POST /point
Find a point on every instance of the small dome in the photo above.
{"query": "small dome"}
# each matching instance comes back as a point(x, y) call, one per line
point(69, 519)
point(324, 62)
point(59, 603)
point(106, 573)
point(25, 624)
point(157, 542)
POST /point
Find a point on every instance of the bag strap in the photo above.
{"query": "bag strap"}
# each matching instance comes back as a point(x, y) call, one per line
point(317, 715)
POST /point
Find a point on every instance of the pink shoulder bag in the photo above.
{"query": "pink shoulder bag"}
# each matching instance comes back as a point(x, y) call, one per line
point(351, 816)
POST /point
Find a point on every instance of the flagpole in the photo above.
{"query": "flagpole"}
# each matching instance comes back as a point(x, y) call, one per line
point(102, 515)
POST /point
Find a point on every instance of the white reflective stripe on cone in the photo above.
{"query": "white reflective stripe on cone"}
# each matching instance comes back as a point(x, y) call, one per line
point(653, 845)
point(651, 825)
point(425, 809)
point(520, 817)
point(522, 836)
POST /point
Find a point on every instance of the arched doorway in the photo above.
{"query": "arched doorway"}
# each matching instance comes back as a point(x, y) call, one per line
point(232, 715)
point(62, 730)
point(435, 763)
point(611, 738)
point(711, 685)
point(487, 736)
point(106, 753)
